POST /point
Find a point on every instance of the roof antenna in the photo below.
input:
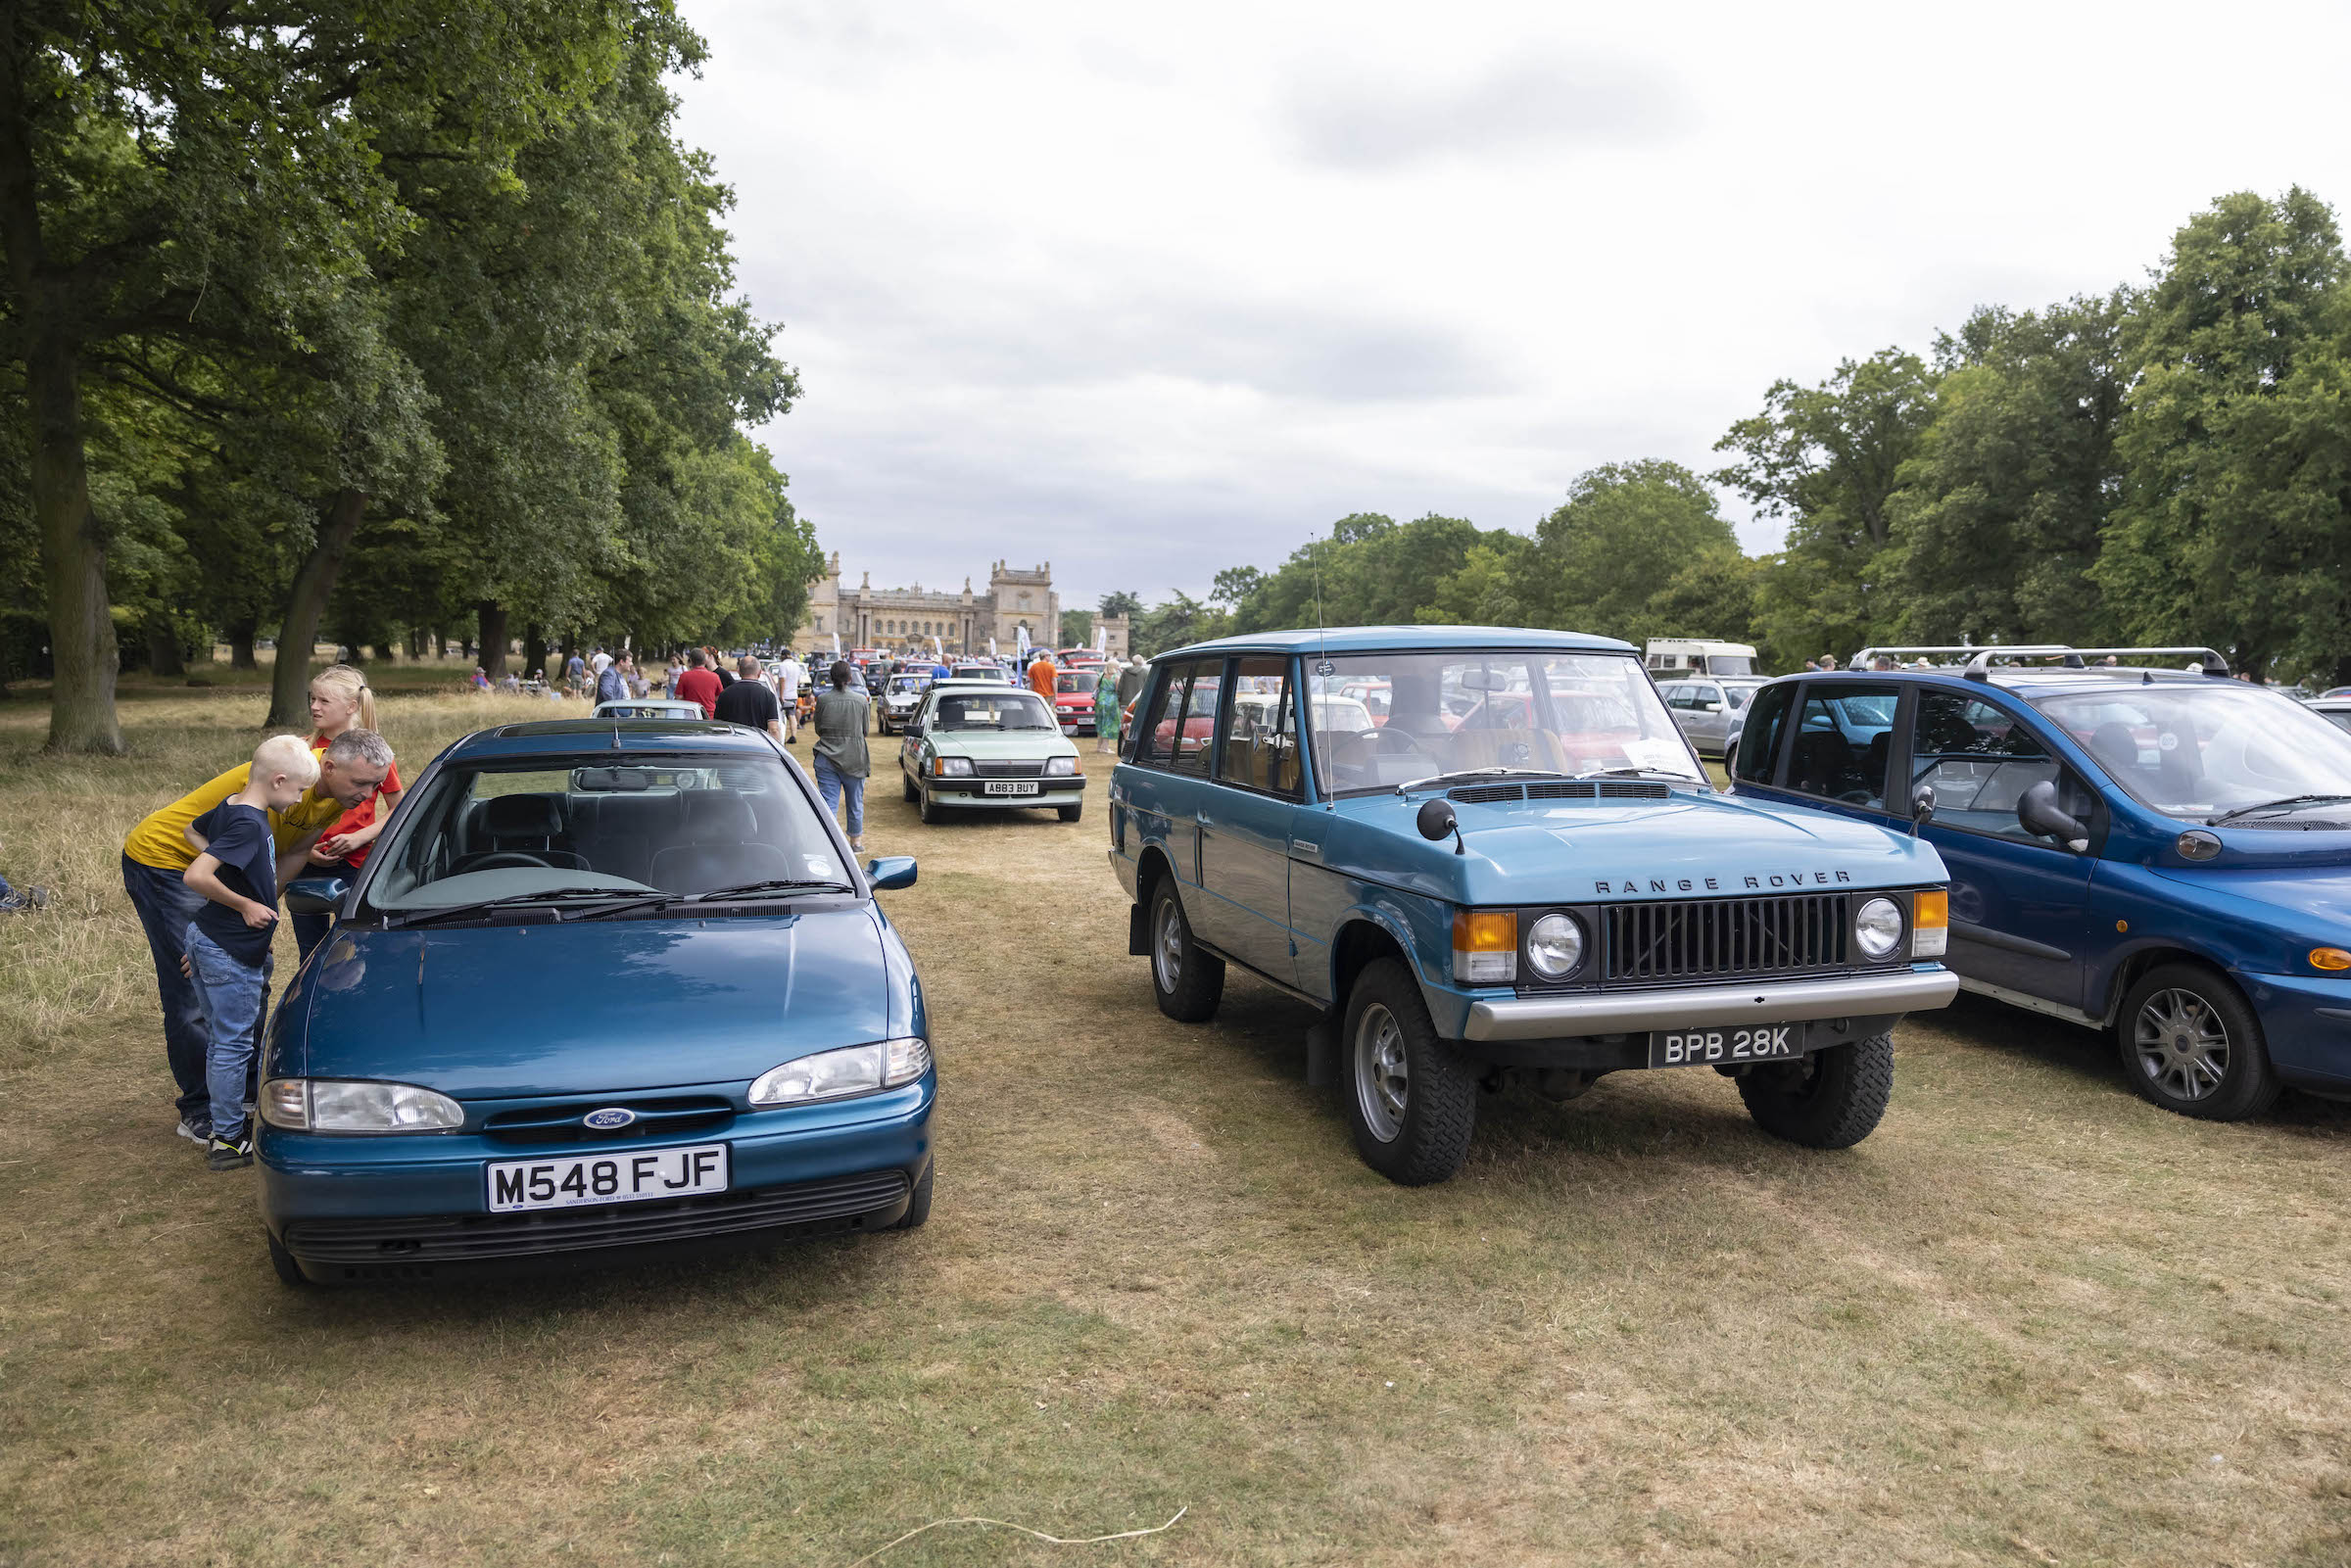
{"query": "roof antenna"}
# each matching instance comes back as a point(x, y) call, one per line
point(1323, 641)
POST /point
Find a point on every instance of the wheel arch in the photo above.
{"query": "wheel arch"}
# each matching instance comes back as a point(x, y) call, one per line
point(2133, 966)
point(1362, 941)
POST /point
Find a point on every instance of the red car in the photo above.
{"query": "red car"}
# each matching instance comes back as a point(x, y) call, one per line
point(1074, 700)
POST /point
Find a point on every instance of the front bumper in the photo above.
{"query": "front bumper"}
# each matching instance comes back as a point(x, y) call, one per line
point(360, 1209)
point(2306, 1023)
point(966, 791)
point(1549, 1018)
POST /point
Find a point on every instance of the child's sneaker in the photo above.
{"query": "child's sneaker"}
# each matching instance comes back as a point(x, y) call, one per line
point(196, 1132)
point(231, 1150)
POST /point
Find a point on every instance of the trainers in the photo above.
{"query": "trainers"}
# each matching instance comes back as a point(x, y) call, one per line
point(24, 898)
point(231, 1152)
point(195, 1131)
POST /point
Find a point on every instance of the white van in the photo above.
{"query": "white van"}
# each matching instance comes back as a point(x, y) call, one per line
point(1677, 656)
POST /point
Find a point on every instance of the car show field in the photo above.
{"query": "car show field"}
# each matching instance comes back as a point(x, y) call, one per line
point(2031, 1319)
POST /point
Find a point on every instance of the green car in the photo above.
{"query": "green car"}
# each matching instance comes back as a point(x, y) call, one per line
point(975, 746)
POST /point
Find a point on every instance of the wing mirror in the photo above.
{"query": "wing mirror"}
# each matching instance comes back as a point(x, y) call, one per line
point(1436, 820)
point(2038, 810)
point(316, 895)
point(886, 871)
point(1922, 804)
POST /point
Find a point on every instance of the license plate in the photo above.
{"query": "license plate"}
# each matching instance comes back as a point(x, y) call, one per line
point(1069, 729)
point(1008, 786)
point(1686, 1048)
point(614, 1178)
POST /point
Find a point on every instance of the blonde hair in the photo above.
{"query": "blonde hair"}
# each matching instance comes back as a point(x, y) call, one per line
point(289, 754)
point(351, 686)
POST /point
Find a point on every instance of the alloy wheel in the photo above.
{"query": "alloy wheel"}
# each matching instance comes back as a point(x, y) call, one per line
point(1383, 1081)
point(1167, 953)
point(2181, 1044)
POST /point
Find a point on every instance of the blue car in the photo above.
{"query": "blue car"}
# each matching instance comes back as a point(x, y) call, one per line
point(2135, 846)
point(601, 990)
point(1512, 868)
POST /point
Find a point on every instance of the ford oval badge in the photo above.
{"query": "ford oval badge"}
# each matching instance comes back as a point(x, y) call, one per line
point(610, 1118)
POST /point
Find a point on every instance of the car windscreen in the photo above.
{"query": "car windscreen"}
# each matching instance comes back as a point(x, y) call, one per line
point(1077, 680)
point(684, 825)
point(1536, 710)
point(2198, 748)
point(992, 711)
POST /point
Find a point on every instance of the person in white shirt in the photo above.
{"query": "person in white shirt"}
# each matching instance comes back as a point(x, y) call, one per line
point(788, 692)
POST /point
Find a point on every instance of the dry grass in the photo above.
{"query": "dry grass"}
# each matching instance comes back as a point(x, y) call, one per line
point(2032, 1320)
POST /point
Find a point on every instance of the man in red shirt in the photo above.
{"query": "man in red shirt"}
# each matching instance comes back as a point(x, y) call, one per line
point(697, 683)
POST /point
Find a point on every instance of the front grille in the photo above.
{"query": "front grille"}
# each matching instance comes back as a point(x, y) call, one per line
point(1725, 937)
point(1009, 770)
point(656, 1117)
point(474, 1238)
point(1561, 789)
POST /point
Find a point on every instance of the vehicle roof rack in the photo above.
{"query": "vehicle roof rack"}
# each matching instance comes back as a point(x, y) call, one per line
point(1978, 660)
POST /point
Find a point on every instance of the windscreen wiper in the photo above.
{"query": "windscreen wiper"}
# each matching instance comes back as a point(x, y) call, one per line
point(1478, 773)
point(548, 896)
point(772, 884)
point(1638, 773)
point(2274, 805)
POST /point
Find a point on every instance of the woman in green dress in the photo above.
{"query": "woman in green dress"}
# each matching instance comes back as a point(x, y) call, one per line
point(1106, 712)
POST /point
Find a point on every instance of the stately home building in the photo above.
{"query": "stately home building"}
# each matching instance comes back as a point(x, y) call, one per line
point(1016, 600)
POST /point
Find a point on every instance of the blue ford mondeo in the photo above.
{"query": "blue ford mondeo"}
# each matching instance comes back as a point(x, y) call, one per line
point(607, 989)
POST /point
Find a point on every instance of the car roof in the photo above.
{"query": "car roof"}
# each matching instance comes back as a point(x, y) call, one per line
point(992, 687)
point(558, 737)
point(1403, 639)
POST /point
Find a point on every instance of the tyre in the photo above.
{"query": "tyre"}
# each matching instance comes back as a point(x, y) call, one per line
point(1187, 982)
point(1831, 1098)
point(918, 1208)
point(906, 784)
point(1730, 759)
point(924, 808)
point(289, 1272)
point(1069, 812)
point(1410, 1102)
point(2191, 1044)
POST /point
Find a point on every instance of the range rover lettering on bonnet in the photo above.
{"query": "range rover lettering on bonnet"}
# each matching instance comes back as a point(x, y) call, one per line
point(1759, 882)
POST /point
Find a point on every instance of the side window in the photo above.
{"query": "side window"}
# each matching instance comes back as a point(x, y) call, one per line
point(1260, 734)
point(1843, 736)
point(1677, 696)
point(1980, 761)
point(1155, 720)
point(1709, 698)
point(1762, 738)
point(1194, 739)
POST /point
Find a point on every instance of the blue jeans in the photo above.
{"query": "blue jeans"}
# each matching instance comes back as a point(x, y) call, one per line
point(165, 905)
point(234, 999)
point(833, 783)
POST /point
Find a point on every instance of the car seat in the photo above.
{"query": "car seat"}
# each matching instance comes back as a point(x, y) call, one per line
point(721, 847)
point(1821, 764)
point(526, 825)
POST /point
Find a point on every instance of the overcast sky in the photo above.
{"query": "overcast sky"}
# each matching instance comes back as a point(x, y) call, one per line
point(1151, 291)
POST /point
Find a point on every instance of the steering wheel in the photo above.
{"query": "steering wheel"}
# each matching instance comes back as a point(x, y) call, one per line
point(1406, 744)
point(1857, 797)
point(498, 857)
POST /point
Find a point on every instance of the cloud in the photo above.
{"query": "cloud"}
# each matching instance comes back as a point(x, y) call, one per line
point(1510, 110)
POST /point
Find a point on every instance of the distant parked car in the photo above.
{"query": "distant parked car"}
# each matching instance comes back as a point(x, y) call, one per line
point(2335, 710)
point(975, 745)
point(1074, 700)
point(649, 708)
point(1708, 712)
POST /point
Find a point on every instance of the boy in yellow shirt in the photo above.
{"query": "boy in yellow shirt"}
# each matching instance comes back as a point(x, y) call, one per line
point(155, 862)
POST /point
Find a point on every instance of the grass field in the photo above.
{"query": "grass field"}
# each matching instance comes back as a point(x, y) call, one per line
point(2032, 1320)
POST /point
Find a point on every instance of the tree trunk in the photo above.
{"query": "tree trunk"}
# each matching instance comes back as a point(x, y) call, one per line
point(305, 603)
point(440, 643)
point(533, 649)
point(494, 639)
point(81, 631)
point(240, 643)
point(416, 644)
point(163, 650)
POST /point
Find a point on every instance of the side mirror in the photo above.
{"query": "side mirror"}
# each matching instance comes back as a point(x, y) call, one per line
point(1922, 804)
point(885, 871)
point(1708, 707)
point(316, 895)
point(1436, 820)
point(2038, 810)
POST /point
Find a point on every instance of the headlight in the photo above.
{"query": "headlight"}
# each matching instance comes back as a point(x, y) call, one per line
point(331, 1105)
point(1878, 928)
point(1060, 767)
point(853, 1070)
point(951, 767)
point(1555, 946)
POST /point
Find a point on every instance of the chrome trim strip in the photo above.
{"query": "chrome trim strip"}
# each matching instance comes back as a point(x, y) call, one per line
point(1902, 990)
point(2031, 1003)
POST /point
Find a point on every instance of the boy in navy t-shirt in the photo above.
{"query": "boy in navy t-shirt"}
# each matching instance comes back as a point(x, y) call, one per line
point(229, 941)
